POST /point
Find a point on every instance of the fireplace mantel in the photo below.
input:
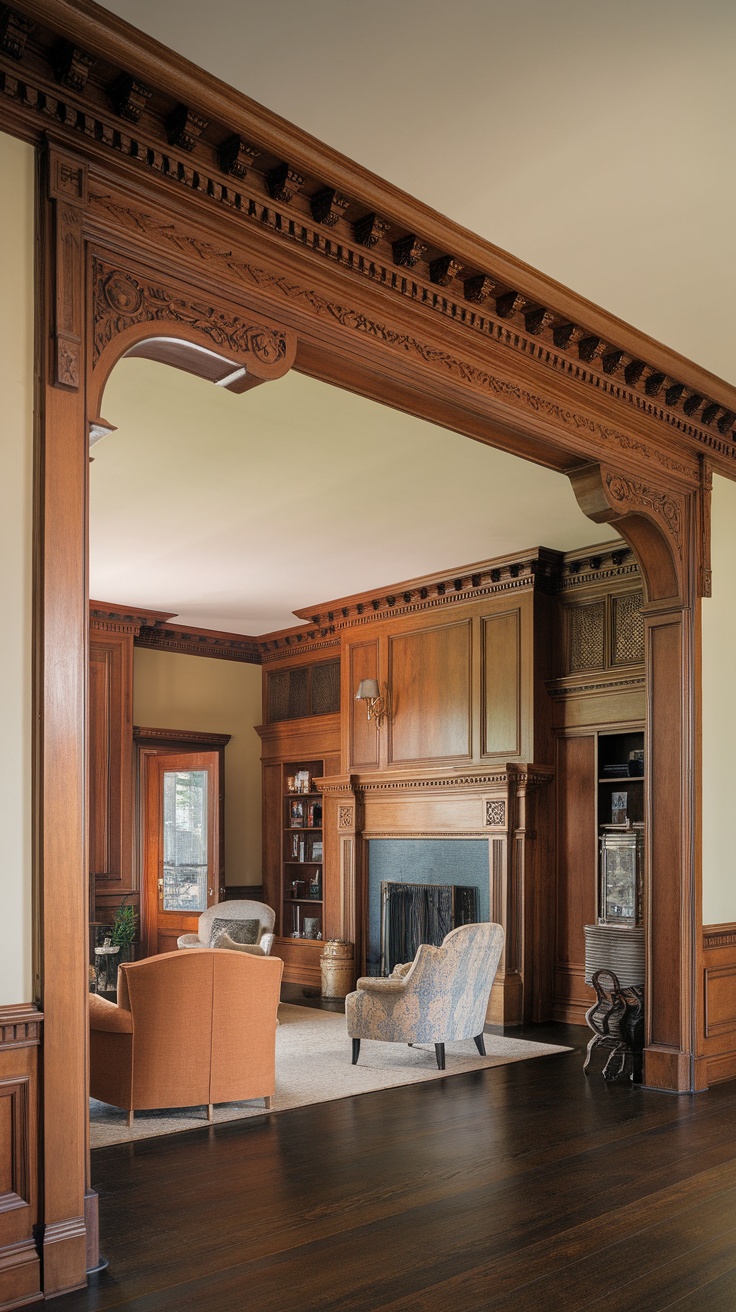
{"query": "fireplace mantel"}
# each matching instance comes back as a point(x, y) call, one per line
point(502, 805)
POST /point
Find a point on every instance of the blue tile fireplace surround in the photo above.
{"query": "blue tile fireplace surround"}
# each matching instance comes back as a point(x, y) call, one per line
point(426, 861)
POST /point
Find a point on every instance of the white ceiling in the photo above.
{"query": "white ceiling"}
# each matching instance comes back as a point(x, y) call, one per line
point(593, 141)
point(233, 511)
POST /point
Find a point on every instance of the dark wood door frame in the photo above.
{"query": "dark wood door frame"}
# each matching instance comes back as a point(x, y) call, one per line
point(151, 222)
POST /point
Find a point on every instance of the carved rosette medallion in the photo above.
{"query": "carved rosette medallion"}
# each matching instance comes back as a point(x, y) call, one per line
point(121, 301)
point(496, 814)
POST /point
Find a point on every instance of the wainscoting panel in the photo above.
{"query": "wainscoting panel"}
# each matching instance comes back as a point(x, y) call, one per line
point(20, 1274)
point(431, 694)
point(719, 1002)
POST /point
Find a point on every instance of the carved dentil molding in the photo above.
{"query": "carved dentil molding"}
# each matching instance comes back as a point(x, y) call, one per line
point(209, 161)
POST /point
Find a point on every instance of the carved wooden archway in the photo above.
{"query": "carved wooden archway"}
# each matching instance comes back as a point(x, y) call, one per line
point(167, 199)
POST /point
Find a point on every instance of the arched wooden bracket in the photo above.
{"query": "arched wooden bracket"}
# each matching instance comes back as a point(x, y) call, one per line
point(652, 520)
point(135, 315)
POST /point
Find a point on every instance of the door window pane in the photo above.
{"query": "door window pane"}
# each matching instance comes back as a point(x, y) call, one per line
point(185, 840)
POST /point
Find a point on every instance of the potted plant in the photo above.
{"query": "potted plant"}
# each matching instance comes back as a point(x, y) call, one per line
point(123, 931)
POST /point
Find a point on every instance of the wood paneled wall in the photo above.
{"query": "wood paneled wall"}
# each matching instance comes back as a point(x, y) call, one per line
point(20, 1267)
point(718, 1019)
point(462, 685)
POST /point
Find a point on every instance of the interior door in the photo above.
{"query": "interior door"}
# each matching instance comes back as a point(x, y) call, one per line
point(180, 845)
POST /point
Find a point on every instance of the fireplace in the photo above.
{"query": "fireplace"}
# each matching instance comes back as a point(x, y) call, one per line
point(418, 890)
point(421, 913)
point(474, 828)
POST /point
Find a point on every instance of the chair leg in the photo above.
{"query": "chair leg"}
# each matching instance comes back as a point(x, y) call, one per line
point(210, 1112)
point(130, 1120)
point(267, 1102)
point(440, 1053)
point(356, 1050)
point(480, 1044)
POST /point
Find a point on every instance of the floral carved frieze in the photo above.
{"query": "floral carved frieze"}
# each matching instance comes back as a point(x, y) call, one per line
point(583, 429)
point(123, 301)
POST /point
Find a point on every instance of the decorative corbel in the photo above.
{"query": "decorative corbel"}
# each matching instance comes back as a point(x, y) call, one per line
point(14, 29)
point(408, 251)
point(369, 230)
point(328, 206)
point(236, 155)
point(651, 519)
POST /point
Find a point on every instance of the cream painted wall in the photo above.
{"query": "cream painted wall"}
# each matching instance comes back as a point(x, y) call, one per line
point(719, 714)
point(172, 691)
point(16, 516)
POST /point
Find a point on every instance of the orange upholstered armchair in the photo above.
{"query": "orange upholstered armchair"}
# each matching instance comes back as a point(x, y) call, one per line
point(189, 1029)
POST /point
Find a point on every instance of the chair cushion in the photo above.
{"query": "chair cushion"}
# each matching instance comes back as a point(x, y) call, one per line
point(240, 931)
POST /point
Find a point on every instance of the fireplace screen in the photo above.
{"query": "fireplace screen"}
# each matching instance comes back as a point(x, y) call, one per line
point(421, 913)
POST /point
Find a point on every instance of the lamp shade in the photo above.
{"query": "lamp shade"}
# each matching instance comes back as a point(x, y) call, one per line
point(367, 690)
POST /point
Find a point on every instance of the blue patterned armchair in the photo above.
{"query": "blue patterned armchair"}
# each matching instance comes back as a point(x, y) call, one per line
point(442, 995)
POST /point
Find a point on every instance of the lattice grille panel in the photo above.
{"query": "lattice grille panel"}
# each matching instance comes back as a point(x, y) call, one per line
point(325, 687)
point(628, 629)
point(587, 636)
point(306, 690)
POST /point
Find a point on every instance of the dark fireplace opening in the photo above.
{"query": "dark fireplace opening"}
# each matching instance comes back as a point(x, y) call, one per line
point(454, 871)
point(421, 913)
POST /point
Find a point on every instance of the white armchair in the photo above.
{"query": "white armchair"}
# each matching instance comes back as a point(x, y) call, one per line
point(442, 995)
point(234, 911)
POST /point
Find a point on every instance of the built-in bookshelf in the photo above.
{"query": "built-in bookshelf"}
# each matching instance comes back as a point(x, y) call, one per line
point(302, 851)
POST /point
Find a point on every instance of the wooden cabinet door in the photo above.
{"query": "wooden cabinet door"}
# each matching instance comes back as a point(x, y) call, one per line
point(181, 834)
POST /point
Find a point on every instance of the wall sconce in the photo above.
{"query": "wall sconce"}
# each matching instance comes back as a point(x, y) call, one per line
point(379, 703)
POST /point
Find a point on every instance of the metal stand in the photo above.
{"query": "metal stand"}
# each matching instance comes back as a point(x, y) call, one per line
point(617, 1021)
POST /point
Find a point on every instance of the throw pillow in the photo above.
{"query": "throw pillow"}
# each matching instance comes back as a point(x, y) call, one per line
point(226, 942)
point(240, 931)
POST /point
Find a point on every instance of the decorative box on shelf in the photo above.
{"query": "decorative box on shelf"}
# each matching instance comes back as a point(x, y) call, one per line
point(622, 870)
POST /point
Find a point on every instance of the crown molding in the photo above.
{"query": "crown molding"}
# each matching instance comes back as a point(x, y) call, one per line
point(124, 97)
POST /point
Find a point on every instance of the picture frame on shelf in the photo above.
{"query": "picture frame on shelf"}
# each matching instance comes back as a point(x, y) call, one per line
point(296, 814)
point(316, 850)
point(314, 815)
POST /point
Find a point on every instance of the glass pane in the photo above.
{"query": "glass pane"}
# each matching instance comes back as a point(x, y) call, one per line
point(185, 840)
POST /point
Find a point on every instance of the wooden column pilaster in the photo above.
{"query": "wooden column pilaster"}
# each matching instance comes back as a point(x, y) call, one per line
point(60, 712)
point(665, 527)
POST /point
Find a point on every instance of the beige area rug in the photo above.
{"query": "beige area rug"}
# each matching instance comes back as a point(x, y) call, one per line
point(313, 1065)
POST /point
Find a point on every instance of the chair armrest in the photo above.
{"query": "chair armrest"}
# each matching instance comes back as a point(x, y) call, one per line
point(189, 941)
point(376, 984)
point(104, 1015)
point(267, 941)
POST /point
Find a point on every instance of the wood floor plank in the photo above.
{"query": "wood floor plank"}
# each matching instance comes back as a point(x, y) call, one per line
point(499, 1189)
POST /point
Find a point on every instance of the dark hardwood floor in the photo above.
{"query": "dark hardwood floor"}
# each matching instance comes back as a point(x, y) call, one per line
point(526, 1187)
